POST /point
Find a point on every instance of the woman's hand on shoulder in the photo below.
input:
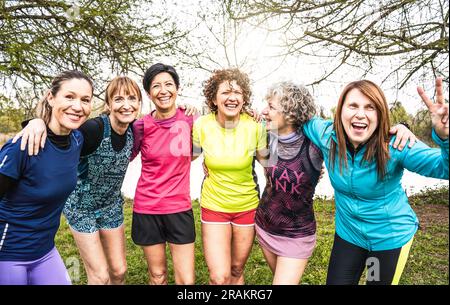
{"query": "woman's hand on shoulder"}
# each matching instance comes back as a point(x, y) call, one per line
point(190, 110)
point(33, 135)
point(403, 136)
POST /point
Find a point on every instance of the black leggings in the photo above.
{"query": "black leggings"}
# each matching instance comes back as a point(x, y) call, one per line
point(347, 263)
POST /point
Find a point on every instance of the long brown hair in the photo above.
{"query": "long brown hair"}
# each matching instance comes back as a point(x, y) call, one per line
point(377, 147)
point(43, 108)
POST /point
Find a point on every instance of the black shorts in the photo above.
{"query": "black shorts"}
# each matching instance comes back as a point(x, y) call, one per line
point(177, 228)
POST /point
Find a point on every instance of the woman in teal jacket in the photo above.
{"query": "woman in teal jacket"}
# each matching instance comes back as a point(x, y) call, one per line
point(375, 224)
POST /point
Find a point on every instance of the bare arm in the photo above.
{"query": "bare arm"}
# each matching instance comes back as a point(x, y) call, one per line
point(262, 155)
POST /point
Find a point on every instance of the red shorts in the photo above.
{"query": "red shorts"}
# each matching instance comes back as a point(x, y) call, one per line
point(245, 218)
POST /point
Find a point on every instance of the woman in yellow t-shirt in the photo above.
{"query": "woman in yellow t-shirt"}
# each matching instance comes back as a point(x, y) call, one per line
point(231, 141)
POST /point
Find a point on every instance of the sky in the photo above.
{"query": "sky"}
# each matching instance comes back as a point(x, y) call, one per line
point(255, 52)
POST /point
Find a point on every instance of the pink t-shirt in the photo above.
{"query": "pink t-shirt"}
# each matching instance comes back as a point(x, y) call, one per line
point(165, 146)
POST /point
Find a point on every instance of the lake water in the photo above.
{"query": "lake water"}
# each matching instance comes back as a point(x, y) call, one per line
point(412, 182)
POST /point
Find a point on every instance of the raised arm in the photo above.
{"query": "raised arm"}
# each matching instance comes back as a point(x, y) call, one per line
point(319, 130)
point(438, 110)
point(11, 166)
point(428, 161)
point(190, 110)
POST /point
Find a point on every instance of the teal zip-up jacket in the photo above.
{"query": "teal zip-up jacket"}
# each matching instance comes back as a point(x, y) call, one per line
point(373, 214)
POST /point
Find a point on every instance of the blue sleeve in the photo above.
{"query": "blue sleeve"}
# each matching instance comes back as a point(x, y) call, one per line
point(6, 184)
point(319, 131)
point(426, 161)
point(12, 160)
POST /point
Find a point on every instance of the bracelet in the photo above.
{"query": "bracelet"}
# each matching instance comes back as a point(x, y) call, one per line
point(405, 124)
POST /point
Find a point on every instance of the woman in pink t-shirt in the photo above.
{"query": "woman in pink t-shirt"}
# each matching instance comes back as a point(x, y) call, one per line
point(162, 211)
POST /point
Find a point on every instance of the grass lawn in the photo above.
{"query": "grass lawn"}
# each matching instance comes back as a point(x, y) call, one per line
point(428, 262)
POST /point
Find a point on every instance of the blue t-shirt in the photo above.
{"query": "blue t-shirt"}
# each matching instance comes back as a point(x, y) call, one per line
point(31, 212)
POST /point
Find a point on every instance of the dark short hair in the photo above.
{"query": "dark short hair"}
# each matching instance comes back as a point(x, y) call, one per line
point(155, 70)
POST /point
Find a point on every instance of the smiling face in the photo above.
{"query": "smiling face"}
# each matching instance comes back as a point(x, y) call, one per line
point(229, 100)
point(359, 117)
point(124, 107)
point(275, 119)
point(71, 105)
point(163, 92)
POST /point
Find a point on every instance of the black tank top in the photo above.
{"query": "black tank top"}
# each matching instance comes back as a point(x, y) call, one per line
point(286, 207)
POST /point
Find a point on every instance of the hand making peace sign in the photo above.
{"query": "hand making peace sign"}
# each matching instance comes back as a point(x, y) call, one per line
point(438, 111)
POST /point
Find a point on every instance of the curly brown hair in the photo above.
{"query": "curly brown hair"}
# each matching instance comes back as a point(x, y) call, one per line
point(211, 86)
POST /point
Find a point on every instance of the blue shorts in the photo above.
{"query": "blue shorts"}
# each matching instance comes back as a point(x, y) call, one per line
point(90, 221)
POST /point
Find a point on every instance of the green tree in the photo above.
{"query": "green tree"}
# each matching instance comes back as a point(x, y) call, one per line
point(398, 114)
point(10, 116)
point(333, 111)
point(421, 126)
point(40, 38)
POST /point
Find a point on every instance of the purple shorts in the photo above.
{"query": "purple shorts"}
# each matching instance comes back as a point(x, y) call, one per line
point(47, 270)
point(299, 248)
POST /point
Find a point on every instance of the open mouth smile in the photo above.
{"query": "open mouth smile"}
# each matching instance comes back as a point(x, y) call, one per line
point(231, 106)
point(359, 127)
point(164, 100)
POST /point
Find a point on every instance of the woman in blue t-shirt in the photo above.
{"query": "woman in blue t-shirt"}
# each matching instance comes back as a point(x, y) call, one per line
point(94, 210)
point(33, 189)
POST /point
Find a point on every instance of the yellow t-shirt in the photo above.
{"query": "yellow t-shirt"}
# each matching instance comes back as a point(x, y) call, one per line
point(230, 155)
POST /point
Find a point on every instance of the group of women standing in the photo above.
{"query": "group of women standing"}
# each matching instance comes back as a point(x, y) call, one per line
point(373, 217)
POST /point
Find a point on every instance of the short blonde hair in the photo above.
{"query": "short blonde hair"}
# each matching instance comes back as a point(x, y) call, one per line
point(121, 83)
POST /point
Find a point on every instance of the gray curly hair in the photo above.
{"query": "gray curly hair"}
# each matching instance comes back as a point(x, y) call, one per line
point(296, 102)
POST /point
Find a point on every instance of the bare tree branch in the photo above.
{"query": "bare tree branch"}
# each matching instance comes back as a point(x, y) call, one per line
point(413, 31)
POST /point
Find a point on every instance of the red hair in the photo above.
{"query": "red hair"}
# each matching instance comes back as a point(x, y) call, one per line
point(377, 147)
